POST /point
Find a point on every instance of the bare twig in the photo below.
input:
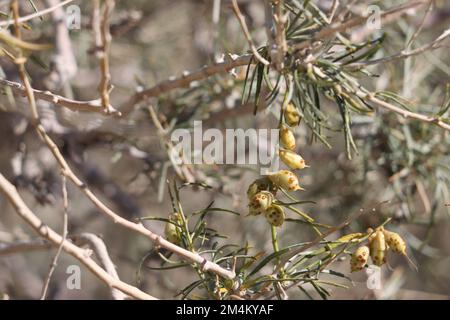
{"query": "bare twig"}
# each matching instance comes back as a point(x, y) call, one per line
point(333, 10)
point(101, 252)
point(435, 44)
point(280, 34)
point(34, 15)
point(64, 62)
point(49, 234)
point(419, 29)
point(136, 227)
point(406, 113)
point(24, 246)
point(74, 105)
point(63, 238)
point(247, 35)
point(185, 80)
point(102, 33)
point(342, 26)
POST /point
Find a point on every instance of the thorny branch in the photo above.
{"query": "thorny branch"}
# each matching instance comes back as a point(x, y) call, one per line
point(49, 234)
point(158, 240)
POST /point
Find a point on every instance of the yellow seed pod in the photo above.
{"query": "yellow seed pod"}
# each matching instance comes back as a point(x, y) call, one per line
point(285, 179)
point(171, 231)
point(262, 184)
point(395, 242)
point(260, 202)
point(287, 138)
point(275, 215)
point(378, 248)
point(292, 160)
point(359, 258)
point(291, 115)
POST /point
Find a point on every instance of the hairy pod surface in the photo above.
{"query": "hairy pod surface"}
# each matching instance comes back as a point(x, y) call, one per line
point(292, 160)
point(291, 115)
point(359, 258)
point(378, 248)
point(285, 179)
point(287, 138)
point(262, 184)
point(260, 202)
point(395, 242)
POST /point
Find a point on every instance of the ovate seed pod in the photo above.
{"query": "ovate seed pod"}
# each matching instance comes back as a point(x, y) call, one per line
point(171, 231)
point(262, 184)
point(285, 179)
point(292, 160)
point(260, 202)
point(359, 258)
point(291, 115)
point(275, 215)
point(378, 248)
point(287, 138)
point(395, 242)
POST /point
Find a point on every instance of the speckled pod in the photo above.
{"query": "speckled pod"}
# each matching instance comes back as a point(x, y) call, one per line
point(378, 248)
point(291, 115)
point(292, 160)
point(275, 215)
point(395, 242)
point(285, 179)
point(260, 202)
point(359, 258)
point(287, 138)
point(263, 184)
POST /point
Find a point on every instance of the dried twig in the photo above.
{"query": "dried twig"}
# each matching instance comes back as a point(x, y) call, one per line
point(433, 45)
point(342, 26)
point(406, 113)
point(34, 15)
point(280, 34)
point(103, 43)
point(49, 234)
point(74, 105)
point(24, 246)
point(101, 252)
point(185, 80)
point(63, 238)
point(247, 35)
point(136, 227)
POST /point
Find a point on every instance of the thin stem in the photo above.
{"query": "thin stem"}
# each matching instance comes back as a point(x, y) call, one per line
point(276, 249)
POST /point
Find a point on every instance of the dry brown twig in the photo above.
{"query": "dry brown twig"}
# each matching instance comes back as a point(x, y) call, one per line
point(406, 113)
point(63, 238)
point(342, 26)
point(74, 105)
point(34, 15)
point(136, 227)
point(101, 252)
point(247, 35)
point(280, 35)
point(102, 35)
point(49, 234)
point(24, 246)
point(185, 80)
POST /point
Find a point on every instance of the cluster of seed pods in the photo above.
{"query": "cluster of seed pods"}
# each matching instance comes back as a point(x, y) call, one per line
point(261, 193)
point(380, 241)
